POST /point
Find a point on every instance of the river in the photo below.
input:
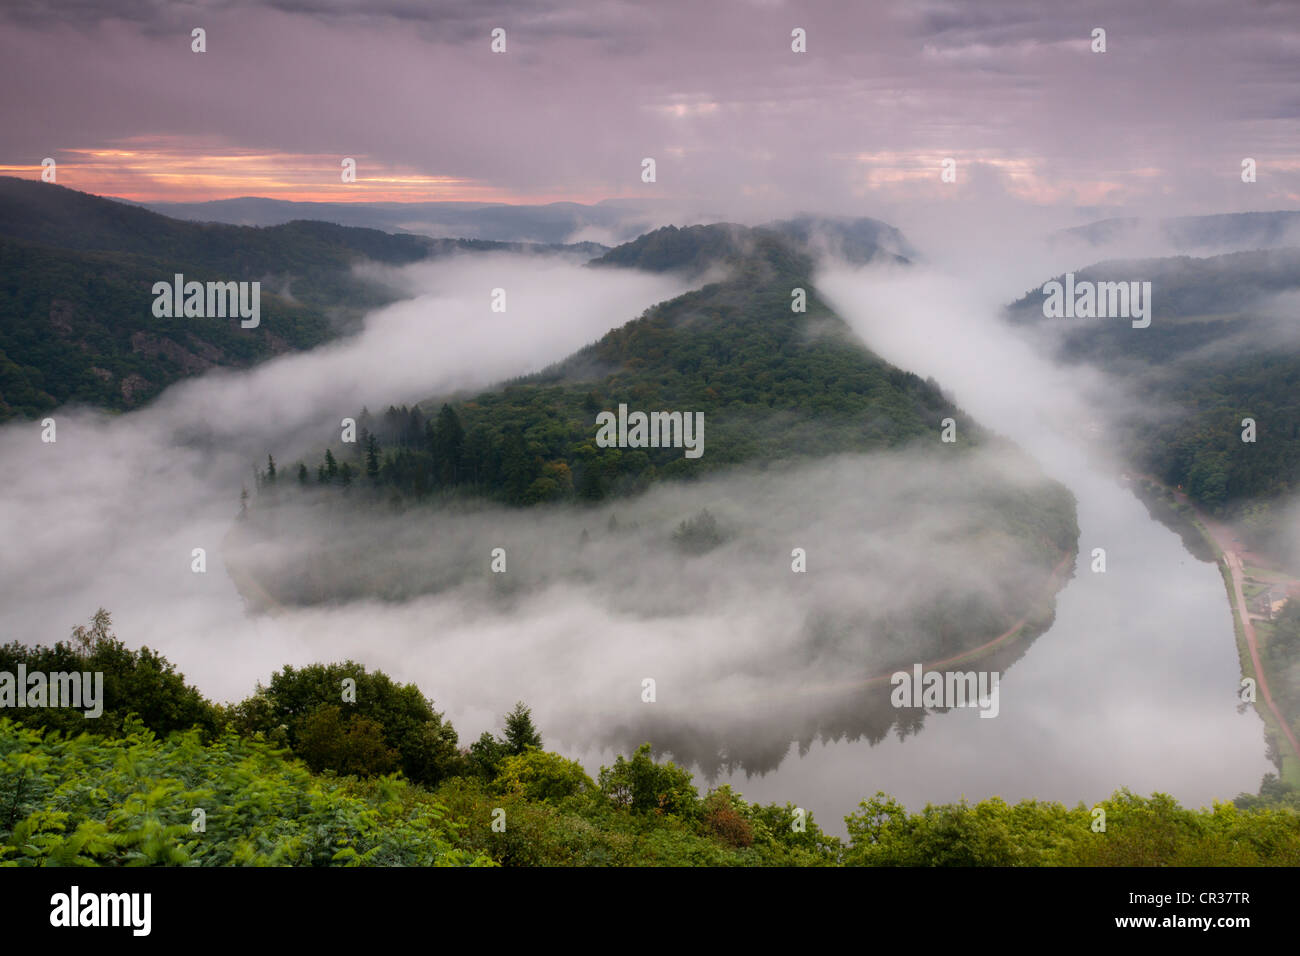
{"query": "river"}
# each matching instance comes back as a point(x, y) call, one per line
point(1134, 685)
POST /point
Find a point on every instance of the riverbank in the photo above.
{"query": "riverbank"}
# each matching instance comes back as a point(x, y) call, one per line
point(1202, 534)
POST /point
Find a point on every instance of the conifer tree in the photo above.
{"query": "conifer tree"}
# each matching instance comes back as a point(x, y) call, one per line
point(447, 441)
point(520, 732)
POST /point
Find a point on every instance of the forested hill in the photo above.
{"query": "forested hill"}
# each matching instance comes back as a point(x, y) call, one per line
point(1221, 347)
point(1185, 289)
point(76, 274)
point(695, 249)
point(63, 218)
point(771, 382)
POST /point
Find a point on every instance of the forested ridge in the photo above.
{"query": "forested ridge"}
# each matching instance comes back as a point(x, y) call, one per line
point(76, 274)
point(772, 384)
point(299, 775)
point(1219, 350)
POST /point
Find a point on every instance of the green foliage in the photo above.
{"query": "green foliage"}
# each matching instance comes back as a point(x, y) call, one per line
point(130, 802)
point(353, 747)
point(777, 836)
point(587, 830)
point(883, 833)
point(397, 715)
point(543, 777)
point(643, 786)
point(1140, 831)
point(485, 755)
point(129, 796)
point(143, 683)
point(724, 818)
point(1210, 358)
point(1282, 657)
point(699, 534)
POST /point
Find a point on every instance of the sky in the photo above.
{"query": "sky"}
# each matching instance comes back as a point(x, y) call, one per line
point(859, 124)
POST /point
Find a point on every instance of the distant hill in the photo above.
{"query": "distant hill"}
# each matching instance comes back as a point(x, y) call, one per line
point(76, 274)
point(691, 250)
point(773, 383)
point(76, 320)
point(550, 223)
point(695, 249)
point(1186, 288)
point(63, 218)
point(1241, 230)
point(856, 240)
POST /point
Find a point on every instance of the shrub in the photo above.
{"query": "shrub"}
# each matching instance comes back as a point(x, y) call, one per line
point(541, 776)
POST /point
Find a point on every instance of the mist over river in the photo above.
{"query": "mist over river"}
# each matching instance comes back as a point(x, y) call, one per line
point(1135, 683)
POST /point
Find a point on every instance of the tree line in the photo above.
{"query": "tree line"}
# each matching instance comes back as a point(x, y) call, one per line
point(300, 773)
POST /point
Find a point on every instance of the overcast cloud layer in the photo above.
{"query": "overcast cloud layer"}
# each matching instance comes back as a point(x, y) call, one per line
point(860, 123)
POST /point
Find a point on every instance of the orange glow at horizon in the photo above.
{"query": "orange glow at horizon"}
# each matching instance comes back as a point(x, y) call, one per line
point(169, 170)
point(1022, 177)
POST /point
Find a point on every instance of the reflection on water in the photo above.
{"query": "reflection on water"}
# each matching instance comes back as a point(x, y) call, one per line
point(1134, 685)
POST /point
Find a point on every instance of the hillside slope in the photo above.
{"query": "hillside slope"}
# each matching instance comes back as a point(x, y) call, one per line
point(76, 274)
point(1220, 347)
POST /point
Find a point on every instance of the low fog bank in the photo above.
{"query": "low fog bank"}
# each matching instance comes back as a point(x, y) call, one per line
point(911, 556)
point(908, 554)
point(1229, 318)
point(1199, 236)
point(109, 514)
point(950, 326)
point(445, 337)
point(1073, 418)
